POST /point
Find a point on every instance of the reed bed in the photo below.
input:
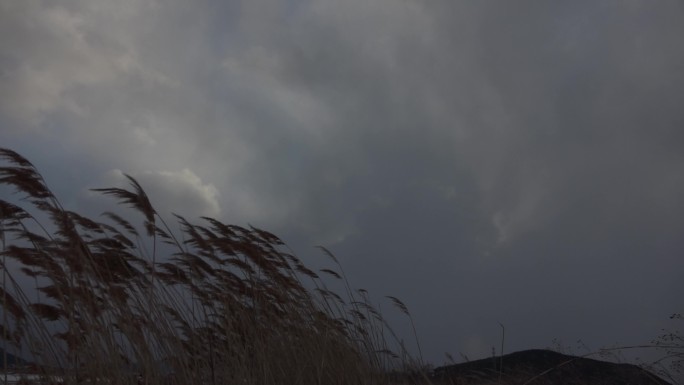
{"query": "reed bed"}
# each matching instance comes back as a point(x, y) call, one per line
point(121, 302)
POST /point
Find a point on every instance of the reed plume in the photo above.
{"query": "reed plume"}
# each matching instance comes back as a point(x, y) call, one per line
point(85, 299)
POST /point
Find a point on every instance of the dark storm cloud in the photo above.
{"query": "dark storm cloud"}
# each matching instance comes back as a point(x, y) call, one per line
point(523, 166)
point(488, 162)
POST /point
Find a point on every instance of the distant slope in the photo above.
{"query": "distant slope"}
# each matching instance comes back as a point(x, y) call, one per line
point(520, 367)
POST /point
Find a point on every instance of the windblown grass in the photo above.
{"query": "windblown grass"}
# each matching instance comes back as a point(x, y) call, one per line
point(85, 299)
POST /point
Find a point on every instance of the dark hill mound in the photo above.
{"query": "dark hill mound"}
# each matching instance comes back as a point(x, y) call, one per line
point(544, 367)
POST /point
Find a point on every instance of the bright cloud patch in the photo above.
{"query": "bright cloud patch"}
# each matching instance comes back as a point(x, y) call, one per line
point(180, 192)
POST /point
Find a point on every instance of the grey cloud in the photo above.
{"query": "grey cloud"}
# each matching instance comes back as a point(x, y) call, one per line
point(491, 162)
point(571, 142)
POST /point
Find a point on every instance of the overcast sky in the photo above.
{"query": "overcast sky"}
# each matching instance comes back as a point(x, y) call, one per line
point(485, 161)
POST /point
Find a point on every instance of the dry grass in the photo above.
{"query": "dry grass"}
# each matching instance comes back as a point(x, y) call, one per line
point(112, 300)
point(216, 304)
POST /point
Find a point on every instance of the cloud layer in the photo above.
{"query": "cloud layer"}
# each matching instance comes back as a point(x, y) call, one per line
point(489, 162)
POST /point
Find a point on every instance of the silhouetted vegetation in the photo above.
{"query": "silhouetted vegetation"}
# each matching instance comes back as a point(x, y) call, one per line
point(216, 304)
point(132, 302)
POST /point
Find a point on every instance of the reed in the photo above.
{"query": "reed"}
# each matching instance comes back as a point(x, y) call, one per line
point(127, 302)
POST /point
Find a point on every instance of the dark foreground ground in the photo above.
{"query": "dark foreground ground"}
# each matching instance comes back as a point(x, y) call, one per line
point(544, 367)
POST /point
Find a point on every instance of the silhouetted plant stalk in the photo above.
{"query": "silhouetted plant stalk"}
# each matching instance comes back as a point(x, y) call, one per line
point(226, 304)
